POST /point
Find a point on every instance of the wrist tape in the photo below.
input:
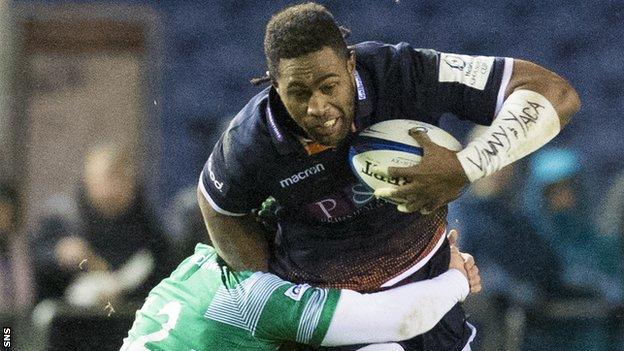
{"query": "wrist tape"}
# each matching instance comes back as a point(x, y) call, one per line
point(526, 122)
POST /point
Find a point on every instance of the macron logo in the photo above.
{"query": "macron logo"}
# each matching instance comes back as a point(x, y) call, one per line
point(295, 178)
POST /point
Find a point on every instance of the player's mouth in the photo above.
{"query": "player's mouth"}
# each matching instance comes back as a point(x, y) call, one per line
point(328, 128)
point(330, 123)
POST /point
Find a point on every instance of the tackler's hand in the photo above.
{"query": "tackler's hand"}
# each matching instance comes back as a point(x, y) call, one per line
point(465, 263)
point(437, 180)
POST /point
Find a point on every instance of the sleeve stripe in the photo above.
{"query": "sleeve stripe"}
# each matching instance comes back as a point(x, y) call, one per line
point(211, 201)
point(258, 297)
point(507, 70)
point(311, 316)
point(241, 306)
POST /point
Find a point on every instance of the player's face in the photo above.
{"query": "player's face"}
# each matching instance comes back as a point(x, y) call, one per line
point(318, 91)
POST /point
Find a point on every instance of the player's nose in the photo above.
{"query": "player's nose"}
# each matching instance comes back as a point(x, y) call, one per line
point(317, 105)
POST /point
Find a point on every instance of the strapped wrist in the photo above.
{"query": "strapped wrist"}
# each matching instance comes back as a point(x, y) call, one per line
point(526, 122)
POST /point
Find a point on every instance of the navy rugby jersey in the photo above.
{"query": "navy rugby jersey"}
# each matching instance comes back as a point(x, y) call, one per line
point(333, 231)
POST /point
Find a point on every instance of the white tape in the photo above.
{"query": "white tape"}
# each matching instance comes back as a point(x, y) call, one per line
point(526, 122)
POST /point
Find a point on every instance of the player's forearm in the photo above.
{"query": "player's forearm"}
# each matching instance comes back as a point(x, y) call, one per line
point(238, 240)
point(396, 314)
point(557, 90)
point(539, 105)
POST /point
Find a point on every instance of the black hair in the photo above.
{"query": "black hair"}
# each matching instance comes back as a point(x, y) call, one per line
point(299, 30)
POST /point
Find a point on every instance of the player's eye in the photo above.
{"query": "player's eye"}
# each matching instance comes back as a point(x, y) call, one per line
point(328, 89)
point(299, 94)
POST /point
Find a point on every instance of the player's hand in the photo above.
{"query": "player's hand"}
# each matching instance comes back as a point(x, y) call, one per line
point(70, 251)
point(93, 288)
point(464, 263)
point(457, 261)
point(437, 180)
point(474, 279)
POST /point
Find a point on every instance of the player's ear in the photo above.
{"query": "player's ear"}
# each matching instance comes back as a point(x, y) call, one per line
point(272, 78)
point(351, 61)
point(273, 81)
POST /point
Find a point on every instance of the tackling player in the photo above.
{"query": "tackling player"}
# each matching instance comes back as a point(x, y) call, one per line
point(204, 305)
point(291, 142)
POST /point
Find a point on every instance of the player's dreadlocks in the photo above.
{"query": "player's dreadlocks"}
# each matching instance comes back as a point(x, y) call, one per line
point(299, 30)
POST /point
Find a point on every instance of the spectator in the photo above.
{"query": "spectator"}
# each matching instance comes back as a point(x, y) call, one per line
point(519, 269)
point(111, 227)
point(15, 275)
point(557, 205)
point(611, 213)
point(556, 202)
point(491, 222)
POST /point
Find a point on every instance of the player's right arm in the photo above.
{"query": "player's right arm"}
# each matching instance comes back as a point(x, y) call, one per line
point(237, 239)
point(227, 191)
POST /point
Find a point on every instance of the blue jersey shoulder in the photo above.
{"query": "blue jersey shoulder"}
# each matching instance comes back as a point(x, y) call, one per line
point(247, 130)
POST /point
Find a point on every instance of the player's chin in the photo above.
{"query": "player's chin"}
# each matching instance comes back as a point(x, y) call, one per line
point(332, 139)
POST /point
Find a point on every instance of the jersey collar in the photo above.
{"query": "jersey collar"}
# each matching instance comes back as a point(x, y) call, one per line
point(282, 130)
point(364, 104)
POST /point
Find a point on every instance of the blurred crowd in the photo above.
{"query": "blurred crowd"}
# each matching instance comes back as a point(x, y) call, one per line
point(102, 245)
point(550, 256)
point(547, 232)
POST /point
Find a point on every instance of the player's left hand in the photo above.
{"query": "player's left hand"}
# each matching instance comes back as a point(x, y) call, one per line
point(437, 180)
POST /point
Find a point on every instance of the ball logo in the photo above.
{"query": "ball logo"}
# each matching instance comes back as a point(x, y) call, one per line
point(370, 170)
point(455, 62)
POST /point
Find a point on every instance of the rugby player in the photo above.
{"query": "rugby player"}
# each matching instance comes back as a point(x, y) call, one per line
point(291, 141)
point(204, 305)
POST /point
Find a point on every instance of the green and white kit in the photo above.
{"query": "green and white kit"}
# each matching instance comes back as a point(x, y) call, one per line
point(205, 306)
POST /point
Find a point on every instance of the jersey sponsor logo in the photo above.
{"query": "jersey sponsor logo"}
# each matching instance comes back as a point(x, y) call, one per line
point(296, 291)
point(217, 184)
point(344, 205)
point(295, 178)
point(361, 194)
point(472, 71)
point(327, 206)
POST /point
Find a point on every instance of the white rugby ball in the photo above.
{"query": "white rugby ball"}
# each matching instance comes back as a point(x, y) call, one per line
point(388, 144)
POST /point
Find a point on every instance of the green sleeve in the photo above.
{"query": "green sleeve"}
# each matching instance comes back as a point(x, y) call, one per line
point(297, 313)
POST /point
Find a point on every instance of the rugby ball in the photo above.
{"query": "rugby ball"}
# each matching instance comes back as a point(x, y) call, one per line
point(388, 144)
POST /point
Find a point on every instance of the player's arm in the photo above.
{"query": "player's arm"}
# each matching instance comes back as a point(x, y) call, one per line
point(226, 193)
point(555, 89)
point(537, 104)
point(404, 312)
point(238, 239)
point(330, 317)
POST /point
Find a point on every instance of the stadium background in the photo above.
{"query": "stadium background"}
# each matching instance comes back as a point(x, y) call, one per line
point(174, 72)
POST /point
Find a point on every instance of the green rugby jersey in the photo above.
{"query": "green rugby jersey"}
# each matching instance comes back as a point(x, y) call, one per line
point(205, 306)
